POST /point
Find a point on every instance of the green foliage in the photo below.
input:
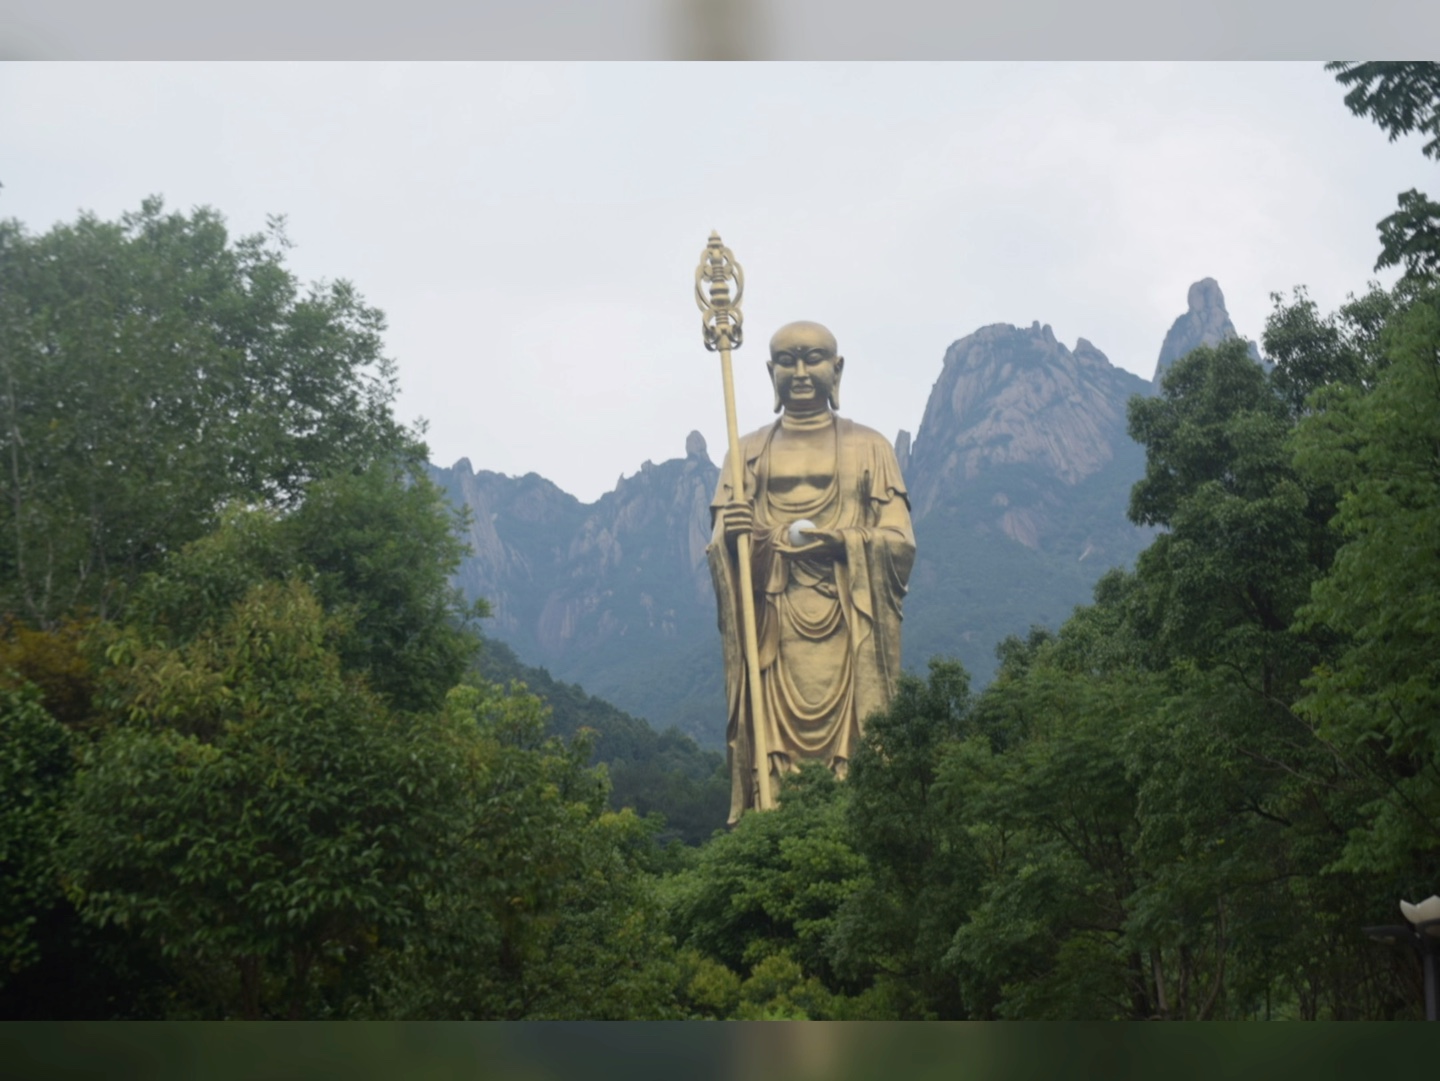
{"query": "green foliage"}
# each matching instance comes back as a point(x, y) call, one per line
point(1378, 698)
point(293, 848)
point(381, 545)
point(1244, 534)
point(1052, 821)
point(1311, 351)
point(283, 807)
point(56, 663)
point(152, 369)
point(546, 912)
point(35, 768)
point(709, 990)
point(895, 930)
point(1247, 787)
point(260, 818)
point(665, 773)
point(762, 901)
point(1410, 237)
point(376, 547)
point(1403, 97)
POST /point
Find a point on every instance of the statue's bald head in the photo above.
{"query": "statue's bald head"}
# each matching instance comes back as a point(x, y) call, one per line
point(805, 367)
point(803, 334)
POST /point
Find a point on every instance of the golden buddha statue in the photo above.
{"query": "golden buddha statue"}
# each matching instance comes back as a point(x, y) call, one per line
point(832, 547)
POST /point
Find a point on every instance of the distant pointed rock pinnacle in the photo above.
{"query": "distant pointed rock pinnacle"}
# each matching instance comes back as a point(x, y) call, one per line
point(695, 447)
point(902, 451)
point(1206, 322)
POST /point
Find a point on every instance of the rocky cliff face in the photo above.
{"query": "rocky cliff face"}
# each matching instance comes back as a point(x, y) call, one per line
point(1205, 322)
point(1009, 397)
point(1019, 476)
point(614, 595)
point(519, 536)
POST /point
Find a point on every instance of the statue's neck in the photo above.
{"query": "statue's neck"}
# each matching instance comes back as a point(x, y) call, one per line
point(806, 422)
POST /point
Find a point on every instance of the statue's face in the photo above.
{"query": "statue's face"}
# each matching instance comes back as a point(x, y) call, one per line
point(804, 366)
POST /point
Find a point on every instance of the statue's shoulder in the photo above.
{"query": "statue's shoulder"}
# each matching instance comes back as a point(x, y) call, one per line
point(858, 433)
point(754, 442)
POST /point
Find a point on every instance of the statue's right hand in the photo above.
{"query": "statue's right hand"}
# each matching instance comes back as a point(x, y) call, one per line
point(738, 518)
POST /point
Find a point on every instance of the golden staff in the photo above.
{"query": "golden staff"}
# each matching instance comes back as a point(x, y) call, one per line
point(721, 324)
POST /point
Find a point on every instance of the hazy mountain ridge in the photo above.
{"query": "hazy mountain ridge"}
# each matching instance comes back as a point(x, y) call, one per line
point(614, 594)
point(518, 535)
point(1019, 478)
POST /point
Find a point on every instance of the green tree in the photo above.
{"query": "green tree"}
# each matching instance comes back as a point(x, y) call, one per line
point(35, 769)
point(1052, 819)
point(1378, 698)
point(761, 902)
point(896, 929)
point(382, 545)
point(547, 910)
point(1219, 593)
point(1310, 351)
point(1242, 531)
point(151, 370)
point(1410, 237)
point(290, 846)
point(258, 816)
point(376, 546)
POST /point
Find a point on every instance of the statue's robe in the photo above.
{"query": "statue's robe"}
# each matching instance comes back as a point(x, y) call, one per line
point(828, 628)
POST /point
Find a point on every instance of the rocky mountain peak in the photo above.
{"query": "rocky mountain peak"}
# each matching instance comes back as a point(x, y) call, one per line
point(1205, 322)
point(1013, 397)
point(695, 447)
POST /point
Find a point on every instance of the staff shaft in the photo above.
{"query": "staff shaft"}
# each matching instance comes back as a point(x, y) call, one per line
point(764, 796)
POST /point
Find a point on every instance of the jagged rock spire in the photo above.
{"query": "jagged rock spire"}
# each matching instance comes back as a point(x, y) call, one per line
point(695, 447)
point(1206, 322)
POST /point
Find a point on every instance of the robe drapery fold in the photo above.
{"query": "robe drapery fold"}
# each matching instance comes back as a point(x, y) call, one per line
point(828, 628)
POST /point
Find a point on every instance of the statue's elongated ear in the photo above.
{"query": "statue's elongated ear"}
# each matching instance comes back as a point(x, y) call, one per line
point(835, 389)
point(770, 365)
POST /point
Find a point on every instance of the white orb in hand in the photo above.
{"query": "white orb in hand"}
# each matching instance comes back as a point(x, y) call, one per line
point(797, 536)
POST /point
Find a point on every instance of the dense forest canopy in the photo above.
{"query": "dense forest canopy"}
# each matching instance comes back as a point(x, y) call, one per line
point(255, 761)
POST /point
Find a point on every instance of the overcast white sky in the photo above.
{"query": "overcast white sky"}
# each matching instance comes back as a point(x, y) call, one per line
point(532, 231)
